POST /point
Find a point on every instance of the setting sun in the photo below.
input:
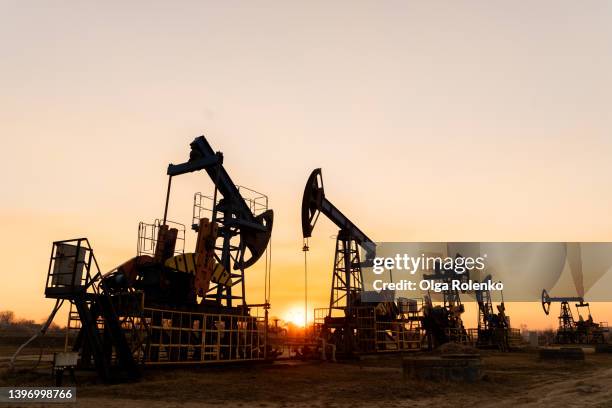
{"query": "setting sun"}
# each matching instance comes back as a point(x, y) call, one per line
point(295, 316)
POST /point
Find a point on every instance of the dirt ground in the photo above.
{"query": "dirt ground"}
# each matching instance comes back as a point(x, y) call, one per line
point(511, 380)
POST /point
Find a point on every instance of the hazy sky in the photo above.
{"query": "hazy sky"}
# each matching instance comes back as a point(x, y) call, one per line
point(432, 121)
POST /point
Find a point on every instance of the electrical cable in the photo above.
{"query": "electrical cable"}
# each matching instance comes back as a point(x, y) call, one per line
point(305, 250)
point(270, 273)
point(41, 332)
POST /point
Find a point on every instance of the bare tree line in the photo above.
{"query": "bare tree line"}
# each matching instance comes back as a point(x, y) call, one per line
point(9, 321)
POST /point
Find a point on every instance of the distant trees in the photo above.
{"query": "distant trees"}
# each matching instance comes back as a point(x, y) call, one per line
point(7, 317)
point(9, 321)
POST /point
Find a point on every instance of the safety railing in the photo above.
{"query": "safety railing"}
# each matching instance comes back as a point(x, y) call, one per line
point(177, 337)
point(459, 335)
point(473, 335)
point(69, 268)
point(397, 336)
point(148, 233)
point(257, 202)
point(379, 334)
point(202, 208)
point(161, 336)
point(203, 205)
point(319, 315)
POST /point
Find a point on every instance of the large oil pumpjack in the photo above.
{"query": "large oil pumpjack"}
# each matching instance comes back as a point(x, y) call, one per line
point(165, 305)
point(571, 331)
point(350, 323)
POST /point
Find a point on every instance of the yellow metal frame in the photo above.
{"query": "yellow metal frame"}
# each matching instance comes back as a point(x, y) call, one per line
point(222, 337)
point(162, 336)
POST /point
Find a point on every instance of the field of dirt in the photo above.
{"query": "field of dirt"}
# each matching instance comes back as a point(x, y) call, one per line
point(516, 379)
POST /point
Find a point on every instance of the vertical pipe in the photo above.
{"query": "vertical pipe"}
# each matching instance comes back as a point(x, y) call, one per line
point(167, 200)
point(214, 204)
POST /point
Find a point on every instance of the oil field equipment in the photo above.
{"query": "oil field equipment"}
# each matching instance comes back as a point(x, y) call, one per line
point(352, 325)
point(571, 331)
point(165, 305)
point(494, 329)
point(443, 323)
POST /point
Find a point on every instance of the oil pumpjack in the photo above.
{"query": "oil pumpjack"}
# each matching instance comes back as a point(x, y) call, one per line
point(493, 328)
point(352, 325)
point(443, 323)
point(583, 331)
point(166, 306)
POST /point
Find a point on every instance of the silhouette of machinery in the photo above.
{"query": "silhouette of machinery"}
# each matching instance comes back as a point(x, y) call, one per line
point(166, 305)
point(493, 328)
point(443, 323)
point(571, 331)
point(350, 323)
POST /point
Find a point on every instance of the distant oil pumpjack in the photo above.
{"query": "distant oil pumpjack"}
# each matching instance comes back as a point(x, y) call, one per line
point(443, 323)
point(570, 331)
point(493, 328)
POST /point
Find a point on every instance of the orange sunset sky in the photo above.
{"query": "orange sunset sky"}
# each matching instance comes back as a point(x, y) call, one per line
point(432, 121)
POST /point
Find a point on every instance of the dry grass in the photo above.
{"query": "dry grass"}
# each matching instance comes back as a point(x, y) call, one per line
point(511, 380)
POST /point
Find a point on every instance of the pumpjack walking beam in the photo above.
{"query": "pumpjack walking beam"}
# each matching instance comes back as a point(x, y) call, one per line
point(314, 202)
